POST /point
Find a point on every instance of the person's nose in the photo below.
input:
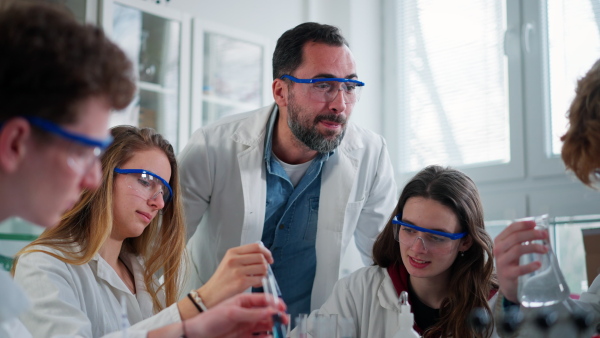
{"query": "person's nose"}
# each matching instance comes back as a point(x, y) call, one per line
point(338, 105)
point(156, 201)
point(419, 245)
point(92, 177)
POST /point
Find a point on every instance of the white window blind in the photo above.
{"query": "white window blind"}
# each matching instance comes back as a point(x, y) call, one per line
point(574, 46)
point(452, 73)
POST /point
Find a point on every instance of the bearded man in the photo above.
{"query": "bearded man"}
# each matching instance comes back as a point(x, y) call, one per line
point(296, 175)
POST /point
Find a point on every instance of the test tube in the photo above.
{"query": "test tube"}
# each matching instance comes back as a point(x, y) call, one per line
point(272, 293)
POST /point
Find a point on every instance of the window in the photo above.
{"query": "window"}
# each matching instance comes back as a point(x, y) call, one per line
point(466, 76)
point(573, 47)
point(452, 77)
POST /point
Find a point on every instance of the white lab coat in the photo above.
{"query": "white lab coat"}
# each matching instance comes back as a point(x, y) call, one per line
point(84, 300)
point(223, 179)
point(13, 302)
point(369, 299)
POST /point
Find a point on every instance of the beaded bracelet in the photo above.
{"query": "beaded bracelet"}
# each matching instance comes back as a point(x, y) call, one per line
point(195, 297)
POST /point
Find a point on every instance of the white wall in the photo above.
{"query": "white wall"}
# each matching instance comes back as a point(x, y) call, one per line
point(268, 18)
point(360, 22)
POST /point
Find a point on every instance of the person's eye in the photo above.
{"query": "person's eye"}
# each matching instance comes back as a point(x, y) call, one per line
point(143, 182)
point(408, 230)
point(350, 87)
point(437, 239)
point(322, 86)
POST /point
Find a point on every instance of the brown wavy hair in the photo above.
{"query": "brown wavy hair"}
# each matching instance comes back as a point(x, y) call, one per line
point(472, 277)
point(582, 140)
point(89, 223)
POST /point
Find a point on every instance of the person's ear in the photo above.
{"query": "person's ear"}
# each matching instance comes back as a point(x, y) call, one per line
point(465, 243)
point(280, 92)
point(14, 137)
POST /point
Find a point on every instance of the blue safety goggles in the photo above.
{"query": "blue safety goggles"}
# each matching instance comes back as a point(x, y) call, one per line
point(396, 220)
point(148, 184)
point(78, 138)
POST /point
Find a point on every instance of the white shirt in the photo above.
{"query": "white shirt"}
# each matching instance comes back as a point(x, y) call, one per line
point(84, 300)
point(14, 302)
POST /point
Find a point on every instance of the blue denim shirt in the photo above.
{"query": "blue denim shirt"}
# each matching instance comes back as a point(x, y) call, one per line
point(290, 227)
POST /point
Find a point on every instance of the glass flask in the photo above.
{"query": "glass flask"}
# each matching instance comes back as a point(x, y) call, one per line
point(545, 286)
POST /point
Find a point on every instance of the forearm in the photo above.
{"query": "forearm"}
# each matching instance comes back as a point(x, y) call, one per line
point(175, 330)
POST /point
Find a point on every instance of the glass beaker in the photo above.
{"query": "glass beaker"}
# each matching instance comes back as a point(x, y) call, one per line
point(546, 285)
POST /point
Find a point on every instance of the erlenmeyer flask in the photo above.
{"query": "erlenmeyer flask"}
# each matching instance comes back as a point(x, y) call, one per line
point(545, 286)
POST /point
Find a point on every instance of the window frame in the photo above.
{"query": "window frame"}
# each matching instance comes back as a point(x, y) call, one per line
point(515, 168)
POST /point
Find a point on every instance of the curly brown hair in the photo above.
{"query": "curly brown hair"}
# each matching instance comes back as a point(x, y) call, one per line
point(582, 140)
point(49, 63)
point(472, 278)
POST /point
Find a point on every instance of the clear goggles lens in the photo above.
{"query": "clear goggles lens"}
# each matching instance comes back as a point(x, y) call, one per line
point(328, 91)
point(146, 185)
point(84, 151)
point(82, 158)
point(432, 241)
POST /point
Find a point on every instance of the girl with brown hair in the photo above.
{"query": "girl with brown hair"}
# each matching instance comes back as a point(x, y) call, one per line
point(101, 263)
point(436, 248)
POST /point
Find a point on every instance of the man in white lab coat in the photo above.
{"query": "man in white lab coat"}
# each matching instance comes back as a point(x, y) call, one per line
point(296, 175)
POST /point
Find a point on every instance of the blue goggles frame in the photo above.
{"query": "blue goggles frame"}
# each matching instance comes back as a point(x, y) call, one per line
point(326, 79)
point(78, 138)
point(143, 171)
point(396, 220)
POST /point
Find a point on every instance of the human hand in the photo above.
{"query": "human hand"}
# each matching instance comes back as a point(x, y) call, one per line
point(239, 316)
point(508, 250)
point(242, 267)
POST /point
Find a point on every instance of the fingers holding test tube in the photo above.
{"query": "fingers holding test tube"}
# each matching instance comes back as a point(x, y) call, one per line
point(242, 267)
point(240, 316)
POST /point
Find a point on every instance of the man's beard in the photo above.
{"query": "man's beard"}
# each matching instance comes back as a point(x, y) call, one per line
point(306, 130)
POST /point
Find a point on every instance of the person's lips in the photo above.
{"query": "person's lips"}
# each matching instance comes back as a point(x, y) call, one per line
point(145, 216)
point(330, 124)
point(418, 263)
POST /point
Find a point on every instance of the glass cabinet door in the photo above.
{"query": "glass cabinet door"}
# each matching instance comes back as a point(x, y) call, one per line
point(153, 42)
point(233, 76)
point(230, 72)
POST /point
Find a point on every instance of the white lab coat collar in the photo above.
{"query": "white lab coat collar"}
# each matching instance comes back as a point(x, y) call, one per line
point(141, 301)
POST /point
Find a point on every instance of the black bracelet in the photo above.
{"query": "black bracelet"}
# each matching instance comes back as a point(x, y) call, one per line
point(194, 302)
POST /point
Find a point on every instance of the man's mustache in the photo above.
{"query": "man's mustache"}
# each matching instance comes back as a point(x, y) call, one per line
point(335, 118)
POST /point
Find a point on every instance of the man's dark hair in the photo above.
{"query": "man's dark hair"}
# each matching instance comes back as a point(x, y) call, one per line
point(49, 63)
point(288, 51)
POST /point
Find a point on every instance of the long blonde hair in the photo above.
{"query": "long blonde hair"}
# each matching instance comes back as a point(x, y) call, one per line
point(89, 223)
